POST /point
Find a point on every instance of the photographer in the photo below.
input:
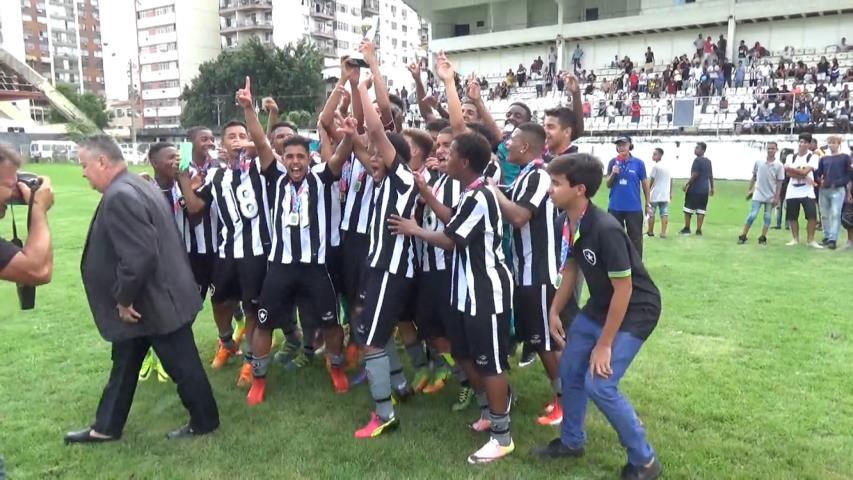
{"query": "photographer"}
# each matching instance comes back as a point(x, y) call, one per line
point(32, 264)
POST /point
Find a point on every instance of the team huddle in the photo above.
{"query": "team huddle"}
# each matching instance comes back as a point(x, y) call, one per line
point(455, 238)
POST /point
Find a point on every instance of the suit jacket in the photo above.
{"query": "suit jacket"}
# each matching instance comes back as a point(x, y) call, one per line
point(134, 256)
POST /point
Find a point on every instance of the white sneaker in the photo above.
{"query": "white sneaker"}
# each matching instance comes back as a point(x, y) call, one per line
point(792, 243)
point(816, 245)
point(490, 452)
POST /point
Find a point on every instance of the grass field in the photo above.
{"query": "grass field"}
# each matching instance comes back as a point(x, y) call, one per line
point(748, 375)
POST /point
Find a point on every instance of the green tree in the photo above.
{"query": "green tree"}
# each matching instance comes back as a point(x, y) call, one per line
point(300, 118)
point(92, 105)
point(292, 76)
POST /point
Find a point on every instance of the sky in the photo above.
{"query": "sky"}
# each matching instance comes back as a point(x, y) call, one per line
point(118, 34)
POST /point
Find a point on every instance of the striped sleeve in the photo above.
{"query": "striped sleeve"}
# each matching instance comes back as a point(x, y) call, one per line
point(469, 218)
point(534, 191)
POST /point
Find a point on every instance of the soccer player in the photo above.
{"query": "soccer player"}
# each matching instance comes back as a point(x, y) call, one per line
point(801, 192)
point(622, 311)
point(661, 186)
point(535, 239)
point(389, 278)
point(764, 190)
point(626, 175)
point(238, 192)
point(481, 288)
point(697, 189)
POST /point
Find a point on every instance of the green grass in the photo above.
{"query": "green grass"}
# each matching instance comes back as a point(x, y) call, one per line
point(747, 376)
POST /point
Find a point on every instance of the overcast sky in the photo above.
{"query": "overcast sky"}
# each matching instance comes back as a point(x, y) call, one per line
point(118, 33)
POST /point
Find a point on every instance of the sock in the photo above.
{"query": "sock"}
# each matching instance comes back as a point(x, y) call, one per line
point(417, 355)
point(500, 428)
point(398, 378)
point(308, 351)
point(227, 340)
point(447, 358)
point(260, 366)
point(483, 403)
point(557, 386)
point(379, 379)
point(459, 373)
point(337, 361)
point(440, 361)
point(248, 357)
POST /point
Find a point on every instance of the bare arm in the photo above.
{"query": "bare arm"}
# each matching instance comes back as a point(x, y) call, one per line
point(253, 124)
point(379, 88)
point(33, 264)
point(271, 107)
point(516, 215)
point(410, 228)
point(376, 131)
point(357, 107)
point(488, 121)
point(574, 89)
point(420, 92)
point(647, 189)
point(446, 73)
point(442, 211)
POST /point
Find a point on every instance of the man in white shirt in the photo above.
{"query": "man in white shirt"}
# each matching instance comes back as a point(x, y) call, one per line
point(661, 194)
point(800, 192)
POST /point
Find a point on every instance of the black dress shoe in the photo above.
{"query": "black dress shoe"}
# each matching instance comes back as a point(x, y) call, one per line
point(648, 472)
point(85, 436)
point(185, 432)
point(557, 449)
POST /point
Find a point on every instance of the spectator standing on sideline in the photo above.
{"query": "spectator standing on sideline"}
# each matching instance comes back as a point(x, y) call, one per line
point(801, 192)
point(764, 190)
point(833, 175)
point(698, 188)
point(577, 56)
point(661, 194)
point(699, 44)
point(626, 177)
point(552, 61)
point(650, 59)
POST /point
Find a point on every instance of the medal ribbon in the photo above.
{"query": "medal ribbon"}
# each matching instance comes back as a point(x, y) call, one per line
point(568, 242)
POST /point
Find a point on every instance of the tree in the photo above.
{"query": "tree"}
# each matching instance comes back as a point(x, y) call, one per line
point(92, 105)
point(300, 118)
point(292, 76)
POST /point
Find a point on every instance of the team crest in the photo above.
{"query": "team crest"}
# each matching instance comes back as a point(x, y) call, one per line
point(589, 255)
point(262, 315)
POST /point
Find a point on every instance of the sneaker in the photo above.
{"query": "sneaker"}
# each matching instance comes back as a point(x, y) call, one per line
point(650, 472)
point(527, 359)
point(557, 449)
point(245, 378)
point(650, 234)
point(832, 245)
point(793, 243)
point(286, 353)
point(340, 382)
point(464, 399)
point(684, 231)
point(490, 452)
point(147, 366)
point(439, 380)
point(776, 227)
point(421, 379)
point(377, 426)
point(162, 376)
point(300, 361)
point(741, 239)
point(481, 425)
point(815, 245)
point(699, 233)
point(552, 418)
point(222, 355)
point(257, 392)
point(549, 407)
point(762, 240)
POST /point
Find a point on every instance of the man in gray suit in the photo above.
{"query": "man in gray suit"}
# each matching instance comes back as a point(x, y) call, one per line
point(141, 292)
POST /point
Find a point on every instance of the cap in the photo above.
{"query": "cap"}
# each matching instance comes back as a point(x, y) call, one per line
point(623, 139)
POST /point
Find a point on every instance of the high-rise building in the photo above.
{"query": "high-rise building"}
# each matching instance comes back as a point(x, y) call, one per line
point(174, 38)
point(62, 41)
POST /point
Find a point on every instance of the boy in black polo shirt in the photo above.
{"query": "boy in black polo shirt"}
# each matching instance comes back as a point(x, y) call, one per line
point(622, 310)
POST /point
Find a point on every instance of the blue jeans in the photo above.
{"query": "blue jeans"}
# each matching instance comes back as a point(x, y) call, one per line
point(831, 201)
point(579, 385)
point(753, 213)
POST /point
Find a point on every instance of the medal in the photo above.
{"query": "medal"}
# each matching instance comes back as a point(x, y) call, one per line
point(293, 219)
point(558, 281)
point(357, 185)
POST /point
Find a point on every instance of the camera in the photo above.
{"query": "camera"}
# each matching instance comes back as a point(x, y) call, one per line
point(31, 180)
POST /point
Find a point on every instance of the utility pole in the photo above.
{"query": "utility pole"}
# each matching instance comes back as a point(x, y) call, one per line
point(131, 93)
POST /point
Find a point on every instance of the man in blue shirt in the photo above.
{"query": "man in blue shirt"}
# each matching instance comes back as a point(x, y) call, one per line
point(625, 175)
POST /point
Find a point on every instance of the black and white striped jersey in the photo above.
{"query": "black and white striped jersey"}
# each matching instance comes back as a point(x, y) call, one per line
point(358, 187)
point(334, 199)
point(300, 216)
point(536, 245)
point(396, 195)
point(239, 195)
point(481, 280)
point(446, 191)
point(203, 237)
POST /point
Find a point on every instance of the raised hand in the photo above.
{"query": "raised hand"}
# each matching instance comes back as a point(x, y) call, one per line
point(473, 91)
point(368, 50)
point(444, 68)
point(348, 127)
point(244, 95)
point(571, 82)
point(268, 104)
point(420, 181)
point(415, 70)
point(431, 101)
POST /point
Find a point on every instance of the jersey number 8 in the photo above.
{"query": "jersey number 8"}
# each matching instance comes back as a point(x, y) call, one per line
point(247, 202)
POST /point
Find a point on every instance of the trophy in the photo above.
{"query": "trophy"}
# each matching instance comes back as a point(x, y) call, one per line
point(368, 31)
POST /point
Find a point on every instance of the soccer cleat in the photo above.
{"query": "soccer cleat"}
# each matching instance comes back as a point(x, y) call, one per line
point(162, 376)
point(421, 379)
point(352, 356)
point(552, 418)
point(286, 354)
point(490, 452)
point(147, 366)
point(222, 355)
point(464, 399)
point(377, 426)
point(439, 380)
point(300, 361)
point(527, 359)
point(245, 378)
point(257, 392)
point(340, 382)
point(481, 425)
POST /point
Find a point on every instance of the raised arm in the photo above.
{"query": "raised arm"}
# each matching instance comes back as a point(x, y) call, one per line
point(574, 89)
point(268, 104)
point(475, 96)
point(379, 88)
point(376, 131)
point(446, 73)
point(253, 124)
point(344, 150)
point(420, 92)
point(33, 264)
point(327, 115)
point(357, 107)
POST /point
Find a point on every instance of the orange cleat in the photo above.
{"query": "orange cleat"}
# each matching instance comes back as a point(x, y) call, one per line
point(352, 355)
point(256, 393)
point(339, 379)
point(245, 378)
point(554, 417)
point(222, 355)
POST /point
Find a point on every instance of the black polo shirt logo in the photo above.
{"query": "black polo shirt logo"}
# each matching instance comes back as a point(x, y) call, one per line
point(590, 257)
point(262, 315)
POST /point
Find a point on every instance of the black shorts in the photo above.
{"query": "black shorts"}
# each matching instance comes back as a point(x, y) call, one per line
point(792, 206)
point(695, 203)
point(287, 282)
point(202, 267)
point(385, 297)
point(433, 303)
point(238, 279)
point(355, 247)
point(334, 266)
point(531, 306)
point(483, 338)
